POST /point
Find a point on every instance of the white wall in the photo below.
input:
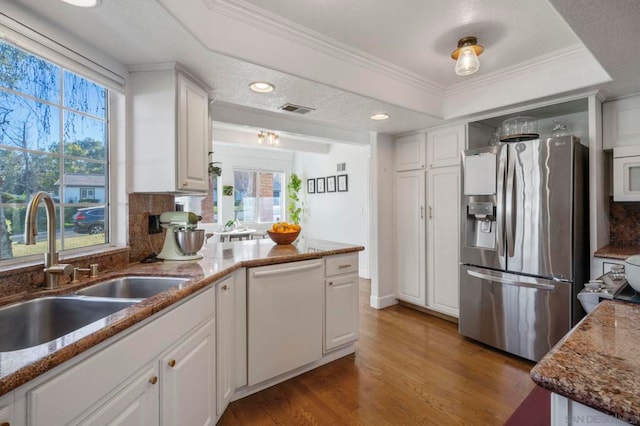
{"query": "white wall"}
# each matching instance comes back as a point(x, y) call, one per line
point(338, 216)
point(383, 286)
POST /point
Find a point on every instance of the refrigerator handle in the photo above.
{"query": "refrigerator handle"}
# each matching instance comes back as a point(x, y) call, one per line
point(502, 159)
point(507, 281)
point(509, 194)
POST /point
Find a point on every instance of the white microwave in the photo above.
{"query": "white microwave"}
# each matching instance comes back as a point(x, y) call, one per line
point(626, 173)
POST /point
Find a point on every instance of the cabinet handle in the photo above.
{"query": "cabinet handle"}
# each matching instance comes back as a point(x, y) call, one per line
point(185, 183)
point(225, 287)
point(153, 380)
point(344, 266)
point(172, 363)
point(421, 212)
point(430, 212)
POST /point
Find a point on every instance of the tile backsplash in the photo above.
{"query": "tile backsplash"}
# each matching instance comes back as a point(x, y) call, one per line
point(141, 243)
point(624, 225)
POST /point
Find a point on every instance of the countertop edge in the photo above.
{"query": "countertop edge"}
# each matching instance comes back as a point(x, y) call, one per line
point(138, 312)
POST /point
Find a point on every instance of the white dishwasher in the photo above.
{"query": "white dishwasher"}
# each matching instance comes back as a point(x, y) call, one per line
point(285, 307)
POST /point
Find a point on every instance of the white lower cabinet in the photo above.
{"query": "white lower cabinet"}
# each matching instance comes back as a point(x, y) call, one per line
point(99, 389)
point(443, 244)
point(341, 316)
point(225, 350)
point(410, 197)
point(187, 375)
point(6, 409)
point(285, 310)
point(135, 404)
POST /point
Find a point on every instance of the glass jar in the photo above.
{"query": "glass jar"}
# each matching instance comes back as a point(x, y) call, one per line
point(495, 138)
point(617, 272)
point(559, 128)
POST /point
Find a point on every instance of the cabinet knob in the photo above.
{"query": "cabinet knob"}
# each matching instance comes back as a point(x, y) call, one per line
point(153, 380)
point(225, 287)
point(185, 183)
point(330, 282)
point(172, 363)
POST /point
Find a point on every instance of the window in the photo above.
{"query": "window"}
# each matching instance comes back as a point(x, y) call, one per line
point(53, 138)
point(258, 196)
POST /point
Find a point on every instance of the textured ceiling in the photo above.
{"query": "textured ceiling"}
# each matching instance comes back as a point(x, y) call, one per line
point(362, 57)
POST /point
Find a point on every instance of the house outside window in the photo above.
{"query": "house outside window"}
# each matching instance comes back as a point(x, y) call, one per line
point(53, 138)
point(258, 196)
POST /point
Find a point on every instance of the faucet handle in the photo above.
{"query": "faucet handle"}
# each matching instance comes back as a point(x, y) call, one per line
point(62, 269)
point(93, 268)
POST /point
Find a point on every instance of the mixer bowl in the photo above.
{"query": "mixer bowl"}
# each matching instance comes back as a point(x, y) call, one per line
point(632, 268)
point(190, 240)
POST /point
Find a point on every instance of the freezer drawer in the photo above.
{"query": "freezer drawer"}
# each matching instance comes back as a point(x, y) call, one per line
point(522, 315)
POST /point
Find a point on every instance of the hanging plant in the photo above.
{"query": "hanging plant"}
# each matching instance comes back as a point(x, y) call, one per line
point(214, 169)
point(293, 187)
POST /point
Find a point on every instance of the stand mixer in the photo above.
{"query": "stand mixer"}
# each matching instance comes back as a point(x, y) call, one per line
point(182, 240)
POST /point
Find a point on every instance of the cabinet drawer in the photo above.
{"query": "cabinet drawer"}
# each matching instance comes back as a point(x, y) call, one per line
point(341, 264)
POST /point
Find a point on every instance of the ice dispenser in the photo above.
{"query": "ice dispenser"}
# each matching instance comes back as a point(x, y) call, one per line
point(479, 200)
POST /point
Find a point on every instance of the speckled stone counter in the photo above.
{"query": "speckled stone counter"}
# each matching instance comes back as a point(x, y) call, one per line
point(614, 251)
point(598, 363)
point(20, 366)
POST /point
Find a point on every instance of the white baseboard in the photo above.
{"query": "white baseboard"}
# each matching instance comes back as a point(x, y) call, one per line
point(383, 302)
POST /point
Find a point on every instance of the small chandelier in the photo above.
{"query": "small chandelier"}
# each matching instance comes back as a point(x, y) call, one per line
point(269, 137)
point(466, 56)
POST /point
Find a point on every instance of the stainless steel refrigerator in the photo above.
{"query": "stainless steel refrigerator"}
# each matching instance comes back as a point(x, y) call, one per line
point(524, 239)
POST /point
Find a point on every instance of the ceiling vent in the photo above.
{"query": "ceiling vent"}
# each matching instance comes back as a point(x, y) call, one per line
point(296, 108)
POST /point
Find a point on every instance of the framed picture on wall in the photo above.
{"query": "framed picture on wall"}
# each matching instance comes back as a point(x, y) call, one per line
point(331, 184)
point(343, 183)
point(311, 186)
point(320, 185)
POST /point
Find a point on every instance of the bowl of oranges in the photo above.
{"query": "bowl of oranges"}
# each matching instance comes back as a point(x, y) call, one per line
point(283, 233)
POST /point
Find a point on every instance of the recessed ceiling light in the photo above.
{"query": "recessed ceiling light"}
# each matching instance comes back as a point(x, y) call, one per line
point(83, 3)
point(261, 87)
point(381, 116)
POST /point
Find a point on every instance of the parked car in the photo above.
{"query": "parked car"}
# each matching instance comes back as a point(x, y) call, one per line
point(89, 220)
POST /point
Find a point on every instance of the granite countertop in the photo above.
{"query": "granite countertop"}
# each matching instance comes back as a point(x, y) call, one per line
point(219, 259)
point(597, 363)
point(615, 251)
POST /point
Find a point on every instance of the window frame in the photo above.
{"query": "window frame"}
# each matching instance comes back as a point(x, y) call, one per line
point(283, 193)
point(67, 58)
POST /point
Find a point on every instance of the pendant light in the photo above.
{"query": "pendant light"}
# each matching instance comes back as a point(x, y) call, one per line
point(466, 56)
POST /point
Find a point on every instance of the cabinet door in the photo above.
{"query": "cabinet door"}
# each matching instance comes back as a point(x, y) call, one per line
point(225, 342)
point(188, 379)
point(136, 404)
point(410, 152)
point(410, 236)
point(6, 409)
point(443, 243)
point(340, 311)
point(621, 122)
point(193, 136)
point(444, 146)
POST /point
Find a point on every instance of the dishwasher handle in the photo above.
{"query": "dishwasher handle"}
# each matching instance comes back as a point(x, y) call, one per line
point(507, 281)
point(286, 270)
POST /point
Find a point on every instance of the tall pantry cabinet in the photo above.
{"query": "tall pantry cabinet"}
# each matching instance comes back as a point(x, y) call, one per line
point(427, 218)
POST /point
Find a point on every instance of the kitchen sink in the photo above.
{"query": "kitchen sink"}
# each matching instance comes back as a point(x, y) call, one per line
point(131, 287)
point(42, 320)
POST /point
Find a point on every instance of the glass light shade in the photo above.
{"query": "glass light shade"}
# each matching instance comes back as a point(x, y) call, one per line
point(83, 3)
point(467, 62)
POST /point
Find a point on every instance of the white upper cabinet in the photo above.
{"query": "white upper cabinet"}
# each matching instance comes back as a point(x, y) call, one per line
point(411, 152)
point(445, 145)
point(171, 138)
point(621, 122)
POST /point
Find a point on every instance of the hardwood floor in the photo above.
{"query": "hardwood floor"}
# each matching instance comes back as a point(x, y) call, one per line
point(409, 368)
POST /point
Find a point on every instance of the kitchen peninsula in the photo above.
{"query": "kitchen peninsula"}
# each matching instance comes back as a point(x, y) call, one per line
point(206, 320)
point(595, 367)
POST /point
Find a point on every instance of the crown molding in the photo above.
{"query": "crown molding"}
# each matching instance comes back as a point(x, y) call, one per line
point(522, 69)
point(256, 17)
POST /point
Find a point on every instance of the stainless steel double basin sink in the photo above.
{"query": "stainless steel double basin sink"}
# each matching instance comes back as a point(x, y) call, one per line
point(38, 321)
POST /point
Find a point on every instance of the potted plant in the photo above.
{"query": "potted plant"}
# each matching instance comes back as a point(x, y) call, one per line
point(293, 187)
point(214, 169)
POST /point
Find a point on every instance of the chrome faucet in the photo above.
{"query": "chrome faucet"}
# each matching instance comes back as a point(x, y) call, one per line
point(52, 269)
